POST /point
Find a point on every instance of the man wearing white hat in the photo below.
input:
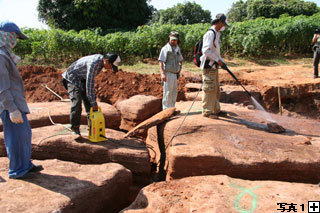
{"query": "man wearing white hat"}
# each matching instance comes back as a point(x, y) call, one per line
point(13, 106)
point(210, 61)
point(170, 62)
point(79, 81)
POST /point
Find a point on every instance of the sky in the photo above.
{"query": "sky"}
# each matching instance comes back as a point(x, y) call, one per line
point(24, 12)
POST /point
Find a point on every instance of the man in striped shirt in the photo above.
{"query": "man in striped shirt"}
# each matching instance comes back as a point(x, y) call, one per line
point(79, 81)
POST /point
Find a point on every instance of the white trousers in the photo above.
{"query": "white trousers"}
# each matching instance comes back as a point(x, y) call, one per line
point(170, 91)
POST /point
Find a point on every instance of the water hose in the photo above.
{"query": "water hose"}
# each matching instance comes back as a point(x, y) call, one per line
point(224, 66)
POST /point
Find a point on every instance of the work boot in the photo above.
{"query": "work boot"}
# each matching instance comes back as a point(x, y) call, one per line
point(221, 113)
point(76, 130)
point(26, 176)
point(36, 168)
point(211, 115)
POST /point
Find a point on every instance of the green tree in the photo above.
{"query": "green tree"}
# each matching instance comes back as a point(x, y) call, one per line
point(187, 13)
point(90, 14)
point(252, 9)
point(237, 12)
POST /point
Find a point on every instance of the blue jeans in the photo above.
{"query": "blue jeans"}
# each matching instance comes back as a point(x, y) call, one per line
point(17, 138)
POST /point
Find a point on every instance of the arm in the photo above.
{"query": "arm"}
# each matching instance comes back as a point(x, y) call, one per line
point(207, 47)
point(92, 70)
point(162, 58)
point(163, 75)
point(180, 59)
point(6, 98)
point(314, 38)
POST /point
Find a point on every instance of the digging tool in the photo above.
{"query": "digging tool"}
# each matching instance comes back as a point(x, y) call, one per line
point(224, 66)
point(61, 99)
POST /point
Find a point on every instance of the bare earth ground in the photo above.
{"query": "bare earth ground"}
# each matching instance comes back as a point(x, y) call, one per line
point(298, 90)
point(300, 93)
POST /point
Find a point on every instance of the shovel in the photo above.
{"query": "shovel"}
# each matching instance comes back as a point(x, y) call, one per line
point(61, 99)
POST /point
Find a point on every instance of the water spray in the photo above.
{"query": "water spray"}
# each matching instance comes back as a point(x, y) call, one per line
point(272, 125)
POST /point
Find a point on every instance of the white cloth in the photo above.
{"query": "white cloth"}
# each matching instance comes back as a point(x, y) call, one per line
point(117, 61)
point(210, 52)
point(170, 91)
point(16, 117)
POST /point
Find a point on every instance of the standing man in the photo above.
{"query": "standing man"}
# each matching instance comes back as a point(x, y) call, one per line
point(79, 81)
point(316, 52)
point(170, 61)
point(13, 106)
point(210, 61)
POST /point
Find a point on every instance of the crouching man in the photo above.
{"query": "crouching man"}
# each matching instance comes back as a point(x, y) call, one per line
point(79, 81)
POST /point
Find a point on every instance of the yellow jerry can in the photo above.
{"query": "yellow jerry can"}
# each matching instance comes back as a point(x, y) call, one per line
point(97, 126)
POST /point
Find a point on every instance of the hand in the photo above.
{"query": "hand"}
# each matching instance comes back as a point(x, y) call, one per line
point(95, 108)
point(163, 77)
point(220, 63)
point(224, 66)
point(178, 75)
point(16, 117)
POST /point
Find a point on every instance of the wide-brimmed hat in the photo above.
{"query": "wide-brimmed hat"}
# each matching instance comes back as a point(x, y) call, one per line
point(8, 26)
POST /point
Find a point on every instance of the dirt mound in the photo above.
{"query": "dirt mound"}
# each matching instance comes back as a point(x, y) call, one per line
point(34, 77)
point(110, 87)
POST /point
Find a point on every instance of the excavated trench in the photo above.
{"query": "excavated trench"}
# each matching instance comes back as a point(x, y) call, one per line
point(301, 100)
point(297, 100)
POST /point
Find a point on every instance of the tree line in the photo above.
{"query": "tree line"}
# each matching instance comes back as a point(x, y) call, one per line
point(124, 15)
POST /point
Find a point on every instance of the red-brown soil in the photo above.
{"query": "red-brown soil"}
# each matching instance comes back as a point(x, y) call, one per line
point(110, 87)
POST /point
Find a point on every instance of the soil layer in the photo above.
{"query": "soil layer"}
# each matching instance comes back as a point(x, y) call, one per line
point(110, 87)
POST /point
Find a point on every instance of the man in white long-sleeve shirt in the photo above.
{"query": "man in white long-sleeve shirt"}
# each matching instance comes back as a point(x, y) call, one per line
point(210, 61)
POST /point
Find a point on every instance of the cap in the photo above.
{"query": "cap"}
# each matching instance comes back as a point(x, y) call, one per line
point(173, 38)
point(8, 26)
point(113, 59)
point(221, 17)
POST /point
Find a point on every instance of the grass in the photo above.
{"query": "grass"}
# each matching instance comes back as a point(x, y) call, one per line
point(151, 66)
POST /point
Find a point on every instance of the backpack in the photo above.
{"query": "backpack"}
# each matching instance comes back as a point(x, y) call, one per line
point(198, 49)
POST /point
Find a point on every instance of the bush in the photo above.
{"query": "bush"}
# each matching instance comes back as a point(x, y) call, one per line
point(259, 37)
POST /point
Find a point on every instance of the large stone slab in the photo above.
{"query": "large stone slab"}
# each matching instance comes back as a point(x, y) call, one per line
point(193, 86)
point(239, 146)
point(55, 142)
point(228, 94)
point(66, 187)
point(236, 94)
point(60, 113)
point(223, 194)
point(137, 109)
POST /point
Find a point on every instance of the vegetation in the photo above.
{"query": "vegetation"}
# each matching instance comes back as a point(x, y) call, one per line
point(252, 9)
point(92, 14)
point(252, 38)
point(187, 13)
